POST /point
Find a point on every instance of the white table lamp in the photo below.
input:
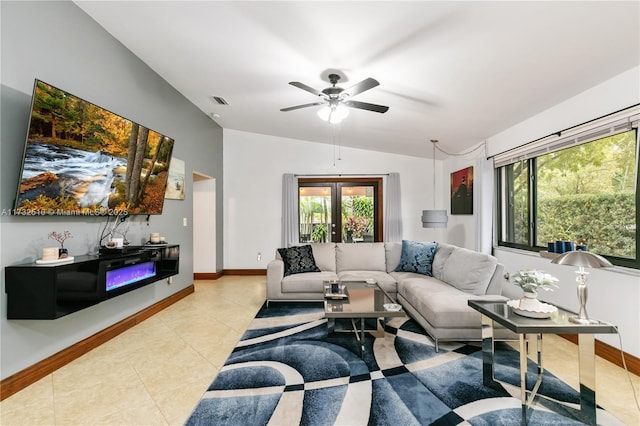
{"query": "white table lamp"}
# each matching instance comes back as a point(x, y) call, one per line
point(582, 259)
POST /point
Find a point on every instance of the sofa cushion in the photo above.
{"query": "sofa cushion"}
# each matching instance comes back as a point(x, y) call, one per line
point(325, 256)
point(416, 257)
point(401, 276)
point(323, 253)
point(360, 257)
point(392, 252)
point(384, 280)
point(440, 259)
point(298, 259)
point(311, 282)
point(442, 305)
point(469, 271)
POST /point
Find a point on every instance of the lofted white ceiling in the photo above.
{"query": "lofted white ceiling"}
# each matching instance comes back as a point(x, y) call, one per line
point(458, 72)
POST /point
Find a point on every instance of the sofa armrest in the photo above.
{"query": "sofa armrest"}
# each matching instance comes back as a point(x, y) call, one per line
point(497, 281)
point(275, 274)
point(275, 271)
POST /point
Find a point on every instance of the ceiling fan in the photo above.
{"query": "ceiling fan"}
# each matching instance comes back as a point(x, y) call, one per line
point(336, 99)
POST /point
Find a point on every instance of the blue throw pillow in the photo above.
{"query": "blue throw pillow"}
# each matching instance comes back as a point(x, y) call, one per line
point(417, 257)
point(298, 259)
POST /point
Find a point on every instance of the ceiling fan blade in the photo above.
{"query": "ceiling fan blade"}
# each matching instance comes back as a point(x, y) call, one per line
point(305, 87)
point(366, 84)
point(301, 106)
point(367, 106)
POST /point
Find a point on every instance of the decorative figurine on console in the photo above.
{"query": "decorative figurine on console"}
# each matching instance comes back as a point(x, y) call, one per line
point(62, 252)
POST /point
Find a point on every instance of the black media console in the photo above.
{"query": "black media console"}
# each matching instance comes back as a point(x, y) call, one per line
point(52, 291)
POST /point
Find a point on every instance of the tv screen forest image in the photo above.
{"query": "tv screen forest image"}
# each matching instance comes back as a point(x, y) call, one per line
point(82, 159)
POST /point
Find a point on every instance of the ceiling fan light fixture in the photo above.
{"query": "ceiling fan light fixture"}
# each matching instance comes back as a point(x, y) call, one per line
point(324, 113)
point(338, 114)
point(334, 114)
point(336, 106)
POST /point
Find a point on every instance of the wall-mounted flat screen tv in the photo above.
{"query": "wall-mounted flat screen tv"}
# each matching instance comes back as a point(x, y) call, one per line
point(81, 159)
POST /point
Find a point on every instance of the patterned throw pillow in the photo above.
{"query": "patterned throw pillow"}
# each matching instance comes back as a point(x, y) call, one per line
point(417, 257)
point(298, 259)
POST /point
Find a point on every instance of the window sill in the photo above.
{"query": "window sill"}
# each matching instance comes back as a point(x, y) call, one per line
point(548, 255)
point(616, 269)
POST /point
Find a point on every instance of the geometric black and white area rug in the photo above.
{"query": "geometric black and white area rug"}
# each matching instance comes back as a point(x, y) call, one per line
point(287, 370)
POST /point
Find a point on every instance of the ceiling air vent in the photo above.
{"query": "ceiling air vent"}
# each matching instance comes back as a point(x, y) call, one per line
point(219, 100)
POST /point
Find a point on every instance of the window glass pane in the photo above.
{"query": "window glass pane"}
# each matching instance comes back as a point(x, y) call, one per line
point(516, 203)
point(587, 194)
point(315, 214)
point(357, 213)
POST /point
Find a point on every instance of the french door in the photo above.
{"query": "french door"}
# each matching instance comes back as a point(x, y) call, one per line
point(340, 210)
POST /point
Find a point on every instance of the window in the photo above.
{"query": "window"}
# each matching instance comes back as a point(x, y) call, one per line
point(338, 210)
point(583, 191)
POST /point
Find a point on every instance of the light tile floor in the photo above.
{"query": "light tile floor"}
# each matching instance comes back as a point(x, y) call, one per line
point(155, 373)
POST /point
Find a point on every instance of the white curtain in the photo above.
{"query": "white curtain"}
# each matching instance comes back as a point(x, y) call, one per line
point(483, 203)
point(393, 210)
point(290, 227)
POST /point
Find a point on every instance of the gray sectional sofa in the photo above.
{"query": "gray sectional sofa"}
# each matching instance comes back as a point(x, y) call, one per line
point(438, 303)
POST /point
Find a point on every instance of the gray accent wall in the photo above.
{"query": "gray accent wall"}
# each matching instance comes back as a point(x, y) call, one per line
point(58, 43)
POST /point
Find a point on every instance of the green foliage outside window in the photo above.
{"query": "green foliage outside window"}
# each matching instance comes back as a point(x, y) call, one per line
point(314, 218)
point(319, 233)
point(360, 208)
point(606, 223)
point(586, 193)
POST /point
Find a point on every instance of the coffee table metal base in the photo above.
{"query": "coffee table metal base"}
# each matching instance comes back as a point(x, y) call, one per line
point(359, 331)
point(364, 300)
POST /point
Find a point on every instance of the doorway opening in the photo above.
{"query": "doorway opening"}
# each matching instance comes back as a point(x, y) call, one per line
point(204, 224)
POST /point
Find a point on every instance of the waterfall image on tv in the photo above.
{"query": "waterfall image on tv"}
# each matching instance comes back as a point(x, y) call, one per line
point(81, 159)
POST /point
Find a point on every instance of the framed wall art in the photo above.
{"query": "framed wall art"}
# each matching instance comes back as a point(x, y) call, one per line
point(462, 191)
point(175, 182)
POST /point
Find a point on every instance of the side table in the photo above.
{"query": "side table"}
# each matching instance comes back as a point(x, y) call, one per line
point(558, 323)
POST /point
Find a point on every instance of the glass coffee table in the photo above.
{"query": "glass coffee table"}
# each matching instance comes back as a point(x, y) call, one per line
point(358, 301)
point(558, 323)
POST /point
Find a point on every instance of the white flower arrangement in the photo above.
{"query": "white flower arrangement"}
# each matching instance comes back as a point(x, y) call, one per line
point(531, 280)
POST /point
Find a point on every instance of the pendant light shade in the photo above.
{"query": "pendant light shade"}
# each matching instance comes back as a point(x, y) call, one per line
point(434, 218)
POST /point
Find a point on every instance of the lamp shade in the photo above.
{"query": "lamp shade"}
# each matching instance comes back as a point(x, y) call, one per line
point(340, 113)
point(334, 114)
point(434, 218)
point(324, 113)
point(582, 258)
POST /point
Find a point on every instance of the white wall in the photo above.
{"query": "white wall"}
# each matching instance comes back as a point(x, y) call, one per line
point(614, 294)
point(254, 165)
point(609, 96)
point(83, 59)
point(460, 228)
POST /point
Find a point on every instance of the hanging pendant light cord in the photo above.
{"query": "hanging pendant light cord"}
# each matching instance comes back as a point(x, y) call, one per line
point(461, 154)
point(434, 175)
point(335, 127)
